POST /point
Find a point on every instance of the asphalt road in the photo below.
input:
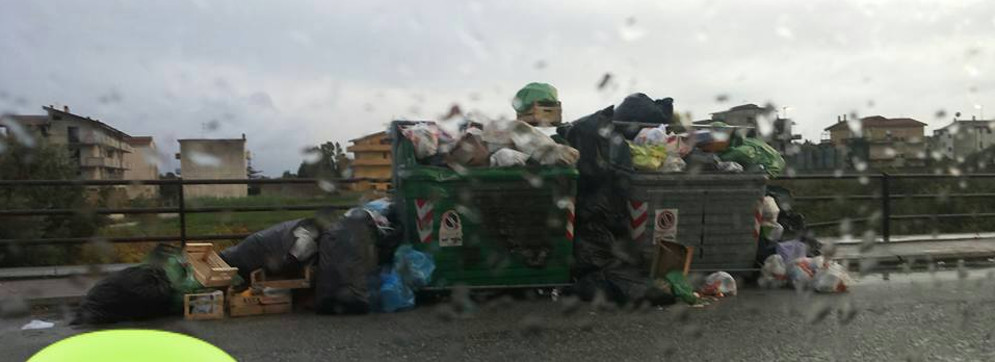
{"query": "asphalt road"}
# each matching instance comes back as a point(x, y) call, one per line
point(918, 317)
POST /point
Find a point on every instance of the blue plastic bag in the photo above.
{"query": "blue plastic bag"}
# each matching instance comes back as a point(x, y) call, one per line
point(394, 295)
point(414, 267)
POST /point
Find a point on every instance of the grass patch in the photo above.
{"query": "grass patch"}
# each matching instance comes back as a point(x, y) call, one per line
point(209, 223)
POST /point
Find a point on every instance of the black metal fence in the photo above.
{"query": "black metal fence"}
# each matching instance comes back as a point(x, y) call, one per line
point(885, 197)
point(182, 210)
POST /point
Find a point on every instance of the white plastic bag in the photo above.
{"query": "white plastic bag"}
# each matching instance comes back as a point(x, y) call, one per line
point(673, 163)
point(425, 138)
point(832, 279)
point(651, 136)
point(774, 273)
point(775, 230)
point(729, 166)
point(507, 157)
point(719, 284)
point(770, 211)
point(529, 140)
point(558, 155)
point(802, 271)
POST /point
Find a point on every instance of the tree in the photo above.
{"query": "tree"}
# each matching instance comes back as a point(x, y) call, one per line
point(288, 174)
point(331, 162)
point(41, 162)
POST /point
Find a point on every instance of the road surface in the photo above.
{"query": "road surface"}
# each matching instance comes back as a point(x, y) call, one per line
point(920, 317)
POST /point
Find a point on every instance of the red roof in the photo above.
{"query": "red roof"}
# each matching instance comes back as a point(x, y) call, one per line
point(880, 122)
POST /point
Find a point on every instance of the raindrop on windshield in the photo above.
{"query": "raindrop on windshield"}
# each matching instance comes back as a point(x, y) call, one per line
point(204, 159)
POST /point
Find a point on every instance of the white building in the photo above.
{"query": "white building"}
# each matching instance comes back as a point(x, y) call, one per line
point(214, 159)
point(963, 138)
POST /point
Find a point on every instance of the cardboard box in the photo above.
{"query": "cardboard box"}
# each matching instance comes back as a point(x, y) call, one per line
point(200, 306)
point(671, 256)
point(253, 302)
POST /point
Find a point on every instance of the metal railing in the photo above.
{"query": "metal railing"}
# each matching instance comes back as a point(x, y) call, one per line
point(182, 210)
point(885, 197)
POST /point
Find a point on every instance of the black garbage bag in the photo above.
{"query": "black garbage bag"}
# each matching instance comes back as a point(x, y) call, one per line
point(346, 261)
point(593, 137)
point(136, 293)
point(640, 108)
point(269, 249)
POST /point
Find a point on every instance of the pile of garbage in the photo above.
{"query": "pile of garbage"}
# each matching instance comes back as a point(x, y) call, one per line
point(357, 259)
point(498, 144)
point(795, 262)
point(669, 147)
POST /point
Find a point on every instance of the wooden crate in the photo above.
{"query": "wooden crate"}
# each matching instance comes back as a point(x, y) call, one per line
point(199, 306)
point(255, 303)
point(259, 280)
point(209, 269)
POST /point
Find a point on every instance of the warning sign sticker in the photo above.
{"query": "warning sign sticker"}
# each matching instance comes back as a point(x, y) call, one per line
point(665, 228)
point(451, 229)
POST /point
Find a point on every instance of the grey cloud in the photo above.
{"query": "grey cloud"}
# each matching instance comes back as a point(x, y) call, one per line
point(294, 74)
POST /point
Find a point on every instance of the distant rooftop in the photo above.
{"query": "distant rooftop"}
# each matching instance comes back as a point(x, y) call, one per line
point(64, 112)
point(879, 121)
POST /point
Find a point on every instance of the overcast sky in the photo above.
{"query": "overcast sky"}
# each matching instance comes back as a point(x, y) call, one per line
point(290, 74)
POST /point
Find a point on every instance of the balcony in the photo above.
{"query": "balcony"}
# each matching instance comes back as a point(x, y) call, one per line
point(101, 162)
point(368, 148)
point(371, 162)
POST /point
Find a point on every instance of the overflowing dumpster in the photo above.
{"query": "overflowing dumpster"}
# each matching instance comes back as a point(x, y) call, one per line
point(486, 227)
point(718, 215)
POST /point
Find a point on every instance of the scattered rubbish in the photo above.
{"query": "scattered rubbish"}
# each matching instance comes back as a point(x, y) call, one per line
point(832, 279)
point(424, 137)
point(718, 284)
point(791, 250)
point(801, 271)
point(37, 324)
point(774, 273)
point(680, 287)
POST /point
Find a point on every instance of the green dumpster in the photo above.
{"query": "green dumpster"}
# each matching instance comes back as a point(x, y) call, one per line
point(486, 227)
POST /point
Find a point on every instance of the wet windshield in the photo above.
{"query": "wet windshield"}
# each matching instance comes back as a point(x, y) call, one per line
point(721, 180)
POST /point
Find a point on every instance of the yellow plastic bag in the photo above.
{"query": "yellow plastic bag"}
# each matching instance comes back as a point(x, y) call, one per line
point(647, 157)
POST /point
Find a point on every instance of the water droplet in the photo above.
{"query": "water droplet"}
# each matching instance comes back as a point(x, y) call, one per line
point(962, 272)
point(864, 180)
point(940, 113)
point(784, 32)
point(605, 81)
point(326, 185)
point(204, 159)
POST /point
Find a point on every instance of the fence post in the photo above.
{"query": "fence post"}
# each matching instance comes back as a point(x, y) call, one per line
point(183, 214)
point(885, 208)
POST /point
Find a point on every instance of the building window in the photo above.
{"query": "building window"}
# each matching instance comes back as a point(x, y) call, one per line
point(950, 149)
point(73, 134)
point(384, 155)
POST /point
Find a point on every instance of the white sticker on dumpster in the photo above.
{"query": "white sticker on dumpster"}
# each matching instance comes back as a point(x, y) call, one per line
point(665, 228)
point(451, 230)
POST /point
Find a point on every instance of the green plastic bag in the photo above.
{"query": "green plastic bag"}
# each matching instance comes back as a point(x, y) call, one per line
point(172, 260)
point(752, 152)
point(680, 287)
point(531, 93)
point(647, 158)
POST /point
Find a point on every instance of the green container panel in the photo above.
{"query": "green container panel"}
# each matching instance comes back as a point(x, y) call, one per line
point(516, 223)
